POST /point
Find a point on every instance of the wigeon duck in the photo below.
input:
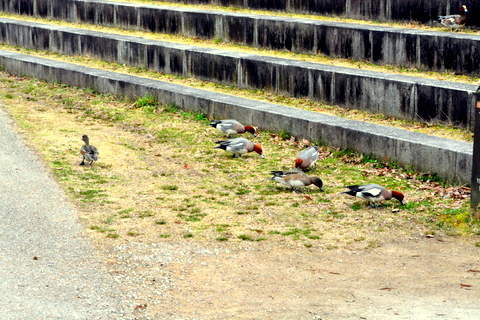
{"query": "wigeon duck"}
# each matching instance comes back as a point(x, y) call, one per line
point(89, 152)
point(295, 178)
point(307, 158)
point(373, 193)
point(454, 21)
point(239, 146)
point(231, 127)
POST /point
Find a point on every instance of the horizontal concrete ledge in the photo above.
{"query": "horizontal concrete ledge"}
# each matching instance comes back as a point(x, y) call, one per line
point(384, 10)
point(398, 96)
point(425, 50)
point(449, 158)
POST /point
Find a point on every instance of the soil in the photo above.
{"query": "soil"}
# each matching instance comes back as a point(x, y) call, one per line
point(416, 278)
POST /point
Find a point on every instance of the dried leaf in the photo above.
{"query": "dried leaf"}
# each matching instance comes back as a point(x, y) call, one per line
point(473, 270)
point(308, 197)
point(186, 166)
point(466, 285)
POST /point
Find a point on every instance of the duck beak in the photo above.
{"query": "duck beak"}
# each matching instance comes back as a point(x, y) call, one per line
point(262, 156)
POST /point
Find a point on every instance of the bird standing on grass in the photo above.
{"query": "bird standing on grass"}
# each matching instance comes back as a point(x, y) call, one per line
point(231, 127)
point(89, 152)
point(239, 146)
point(373, 193)
point(455, 21)
point(295, 178)
point(307, 158)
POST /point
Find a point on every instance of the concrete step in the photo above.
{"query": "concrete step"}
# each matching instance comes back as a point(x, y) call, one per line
point(448, 158)
point(422, 49)
point(423, 11)
point(398, 96)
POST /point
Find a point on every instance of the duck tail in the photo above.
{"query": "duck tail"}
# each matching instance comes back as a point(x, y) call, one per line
point(214, 123)
point(350, 192)
point(222, 146)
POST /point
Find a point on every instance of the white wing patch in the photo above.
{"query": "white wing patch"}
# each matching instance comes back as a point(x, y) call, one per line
point(375, 192)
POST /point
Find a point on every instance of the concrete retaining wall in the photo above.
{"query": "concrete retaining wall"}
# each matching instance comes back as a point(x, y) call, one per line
point(392, 95)
point(450, 159)
point(425, 50)
point(423, 11)
point(383, 10)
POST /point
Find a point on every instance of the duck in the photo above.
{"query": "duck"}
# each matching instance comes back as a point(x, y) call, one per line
point(454, 21)
point(89, 152)
point(232, 127)
point(373, 193)
point(306, 158)
point(295, 178)
point(239, 146)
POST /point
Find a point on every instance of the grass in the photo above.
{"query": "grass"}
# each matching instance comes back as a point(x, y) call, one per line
point(160, 179)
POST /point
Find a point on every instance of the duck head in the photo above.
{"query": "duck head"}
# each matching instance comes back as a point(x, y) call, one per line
point(258, 149)
point(252, 130)
point(399, 196)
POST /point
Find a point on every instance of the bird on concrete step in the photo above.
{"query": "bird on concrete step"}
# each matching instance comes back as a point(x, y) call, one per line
point(306, 158)
point(232, 127)
point(295, 179)
point(373, 193)
point(89, 152)
point(239, 146)
point(454, 21)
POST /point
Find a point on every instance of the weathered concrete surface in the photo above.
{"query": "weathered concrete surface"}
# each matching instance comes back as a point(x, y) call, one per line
point(404, 10)
point(48, 268)
point(450, 159)
point(425, 50)
point(383, 10)
point(397, 96)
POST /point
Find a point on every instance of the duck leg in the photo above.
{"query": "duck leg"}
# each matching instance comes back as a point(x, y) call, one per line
point(296, 190)
point(373, 205)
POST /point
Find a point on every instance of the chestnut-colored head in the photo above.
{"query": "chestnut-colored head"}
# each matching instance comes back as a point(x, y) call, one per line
point(258, 149)
point(251, 129)
point(298, 163)
point(399, 196)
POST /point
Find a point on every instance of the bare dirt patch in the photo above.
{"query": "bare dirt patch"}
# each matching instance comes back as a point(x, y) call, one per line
point(411, 279)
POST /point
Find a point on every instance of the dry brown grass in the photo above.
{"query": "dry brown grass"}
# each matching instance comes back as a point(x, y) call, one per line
point(159, 177)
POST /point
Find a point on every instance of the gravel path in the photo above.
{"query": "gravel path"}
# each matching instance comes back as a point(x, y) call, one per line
point(48, 269)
